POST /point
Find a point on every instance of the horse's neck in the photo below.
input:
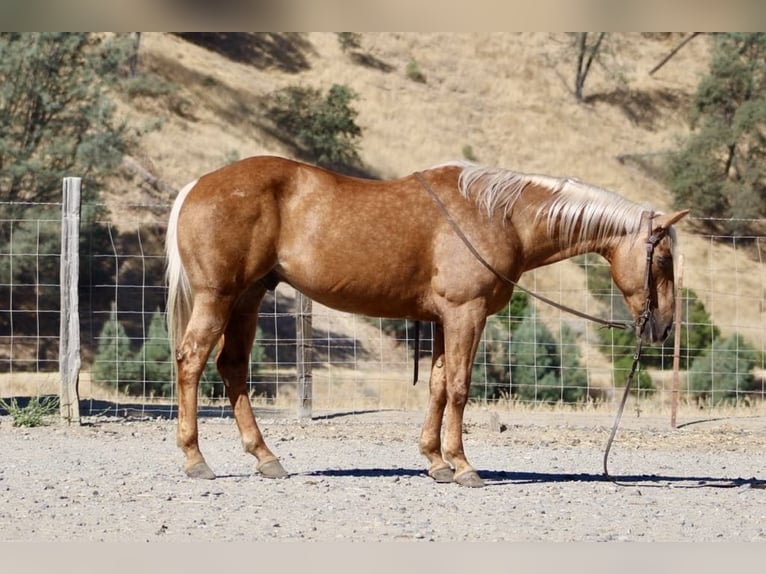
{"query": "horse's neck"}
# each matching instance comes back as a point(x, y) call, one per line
point(542, 247)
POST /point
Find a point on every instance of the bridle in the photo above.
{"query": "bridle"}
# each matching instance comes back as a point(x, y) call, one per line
point(644, 319)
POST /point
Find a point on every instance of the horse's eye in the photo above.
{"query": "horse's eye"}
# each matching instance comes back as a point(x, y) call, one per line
point(665, 262)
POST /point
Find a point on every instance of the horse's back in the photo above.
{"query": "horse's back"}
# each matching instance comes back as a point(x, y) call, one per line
point(366, 246)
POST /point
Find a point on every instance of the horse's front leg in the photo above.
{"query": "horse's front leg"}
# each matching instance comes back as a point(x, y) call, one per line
point(430, 436)
point(461, 338)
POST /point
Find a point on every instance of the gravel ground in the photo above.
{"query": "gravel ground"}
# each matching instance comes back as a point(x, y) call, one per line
point(359, 477)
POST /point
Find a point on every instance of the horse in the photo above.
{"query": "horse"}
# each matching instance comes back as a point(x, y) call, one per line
point(445, 245)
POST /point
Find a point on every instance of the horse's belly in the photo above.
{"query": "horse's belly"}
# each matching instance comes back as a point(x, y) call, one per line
point(377, 291)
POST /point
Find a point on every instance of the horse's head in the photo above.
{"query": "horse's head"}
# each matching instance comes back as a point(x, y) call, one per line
point(649, 293)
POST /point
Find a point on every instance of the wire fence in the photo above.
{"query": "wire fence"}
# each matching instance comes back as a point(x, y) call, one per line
point(528, 354)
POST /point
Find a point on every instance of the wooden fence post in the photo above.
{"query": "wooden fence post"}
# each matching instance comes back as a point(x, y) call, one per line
point(677, 342)
point(69, 341)
point(303, 355)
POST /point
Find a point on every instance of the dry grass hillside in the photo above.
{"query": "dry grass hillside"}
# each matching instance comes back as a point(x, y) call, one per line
point(507, 95)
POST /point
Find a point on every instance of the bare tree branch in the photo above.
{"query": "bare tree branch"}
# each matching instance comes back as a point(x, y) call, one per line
point(130, 165)
point(674, 51)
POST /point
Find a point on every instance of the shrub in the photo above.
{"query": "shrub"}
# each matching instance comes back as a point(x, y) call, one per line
point(724, 372)
point(323, 127)
point(414, 73)
point(149, 371)
point(642, 382)
point(349, 41)
point(33, 414)
point(538, 367)
point(115, 361)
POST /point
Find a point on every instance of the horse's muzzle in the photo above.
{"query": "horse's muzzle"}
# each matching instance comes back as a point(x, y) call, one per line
point(654, 332)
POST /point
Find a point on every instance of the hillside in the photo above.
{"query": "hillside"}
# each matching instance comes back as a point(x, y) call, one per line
point(508, 96)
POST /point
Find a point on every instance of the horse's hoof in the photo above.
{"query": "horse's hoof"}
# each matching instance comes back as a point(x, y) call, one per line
point(469, 478)
point(200, 470)
point(442, 474)
point(272, 469)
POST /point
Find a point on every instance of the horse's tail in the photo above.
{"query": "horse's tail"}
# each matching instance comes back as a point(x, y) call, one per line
point(180, 294)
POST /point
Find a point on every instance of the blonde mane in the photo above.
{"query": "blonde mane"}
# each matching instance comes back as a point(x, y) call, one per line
point(574, 210)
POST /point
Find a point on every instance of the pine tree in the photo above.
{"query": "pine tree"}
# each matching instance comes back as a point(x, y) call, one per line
point(115, 362)
point(724, 372)
point(537, 363)
point(156, 358)
point(491, 373)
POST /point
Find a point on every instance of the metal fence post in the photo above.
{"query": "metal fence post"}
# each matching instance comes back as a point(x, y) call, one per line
point(69, 341)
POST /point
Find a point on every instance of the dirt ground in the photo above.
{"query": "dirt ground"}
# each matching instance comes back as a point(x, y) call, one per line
point(359, 477)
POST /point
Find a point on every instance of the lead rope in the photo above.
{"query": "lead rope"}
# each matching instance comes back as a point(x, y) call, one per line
point(651, 243)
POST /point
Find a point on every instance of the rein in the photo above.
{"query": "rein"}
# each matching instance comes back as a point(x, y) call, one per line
point(459, 232)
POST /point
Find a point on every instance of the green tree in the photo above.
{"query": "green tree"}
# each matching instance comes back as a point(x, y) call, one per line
point(697, 327)
point(157, 364)
point(491, 373)
point(56, 120)
point(55, 116)
point(156, 358)
point(724, 372)
point(538, 364)
point(116, 363)
point(149, 371)
point(322, 126)
point(574, 377)
point(697, 332)
point(719, 170)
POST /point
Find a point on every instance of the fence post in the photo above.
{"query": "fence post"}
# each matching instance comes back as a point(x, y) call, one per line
point(69, 341)
point(303, 355)
point(677, 342)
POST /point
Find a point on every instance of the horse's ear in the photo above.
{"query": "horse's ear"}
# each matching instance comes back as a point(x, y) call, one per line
point(667, 219)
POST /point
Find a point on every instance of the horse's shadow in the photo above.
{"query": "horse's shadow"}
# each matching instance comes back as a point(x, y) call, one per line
point(507, 478)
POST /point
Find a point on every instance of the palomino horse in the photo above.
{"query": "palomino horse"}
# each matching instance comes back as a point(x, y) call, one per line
point(442, 245)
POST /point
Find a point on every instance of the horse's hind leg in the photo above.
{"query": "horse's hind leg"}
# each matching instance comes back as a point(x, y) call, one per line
point(232, 362)
point(203, 331)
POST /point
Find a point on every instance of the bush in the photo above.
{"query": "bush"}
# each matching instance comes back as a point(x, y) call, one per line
point(115, 361)
point(491, 372)
point(414, 73)
point(323, 127)
point(538, 367)
point(697, 328)
point(724, 372)
point(33, 414)
point(349, 41)
point(642, 382)
point(148, 371)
